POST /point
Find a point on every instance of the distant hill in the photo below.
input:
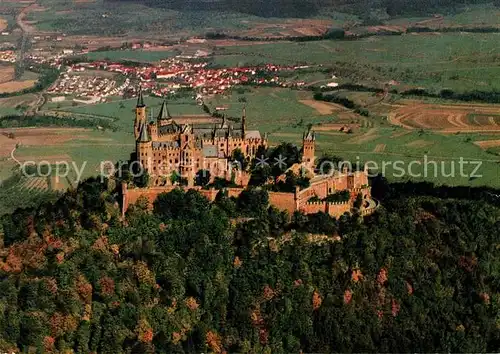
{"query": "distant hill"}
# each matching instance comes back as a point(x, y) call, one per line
point(307, 8)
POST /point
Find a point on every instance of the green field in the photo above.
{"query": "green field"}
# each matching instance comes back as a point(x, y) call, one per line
point(460, 61)
point(123, 111)
point(131, 55)
point(101, 17)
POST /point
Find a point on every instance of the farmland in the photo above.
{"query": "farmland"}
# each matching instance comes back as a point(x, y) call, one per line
point(82, 149)
point(131, 55)
point(459, 61)
point(448, 118)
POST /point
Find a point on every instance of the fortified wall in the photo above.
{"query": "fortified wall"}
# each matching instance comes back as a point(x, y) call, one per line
point(291, 202)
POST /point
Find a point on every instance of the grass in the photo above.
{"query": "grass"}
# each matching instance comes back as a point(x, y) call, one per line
point(117, 18)
point(123, 111)
point(460, 61)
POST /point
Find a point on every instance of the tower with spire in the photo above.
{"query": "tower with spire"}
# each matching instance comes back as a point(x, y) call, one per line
point(243, 121)
point(143, 146)
point(140, 114)
point(164, 117)
point(308, 147)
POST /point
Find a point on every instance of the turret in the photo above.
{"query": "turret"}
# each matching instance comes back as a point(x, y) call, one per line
point(244, 122)
point(164, 117)
point(308, 147)
point(140, 114)
point(144, 148)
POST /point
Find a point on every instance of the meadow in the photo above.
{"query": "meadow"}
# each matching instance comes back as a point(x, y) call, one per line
point(131, 55)
point(459, 61)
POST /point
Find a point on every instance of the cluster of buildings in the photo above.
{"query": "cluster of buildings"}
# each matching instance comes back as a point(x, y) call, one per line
point(8, 56)
point(165, 148)
point(87, 89)
point(173, 74)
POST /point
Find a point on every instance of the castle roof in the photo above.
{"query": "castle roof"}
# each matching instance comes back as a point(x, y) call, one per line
point(164, 112)
point(140, 99)
point(252, 134)
point(143, 138)
point(210, 151)
point(165, 144)
point(170, 128)
point(309, 135)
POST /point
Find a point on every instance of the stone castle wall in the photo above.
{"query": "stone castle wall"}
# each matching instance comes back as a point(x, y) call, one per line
point(291, 202)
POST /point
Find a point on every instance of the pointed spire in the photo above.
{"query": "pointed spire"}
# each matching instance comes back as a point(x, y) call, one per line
point(309, 135)
point(140, 99)
point(224, 123)
point(244, 121)
point(144, 138)
point(164, 112)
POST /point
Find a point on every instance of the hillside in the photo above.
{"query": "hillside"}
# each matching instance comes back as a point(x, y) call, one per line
point(305, 8)
point(421, 275)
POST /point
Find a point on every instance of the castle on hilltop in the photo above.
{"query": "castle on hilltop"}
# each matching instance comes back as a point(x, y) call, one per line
point(164, 147)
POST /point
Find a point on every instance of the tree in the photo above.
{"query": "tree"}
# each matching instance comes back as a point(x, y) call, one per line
point(239, 157)
point(142, 180)
point(202, 178)
point(253, 201)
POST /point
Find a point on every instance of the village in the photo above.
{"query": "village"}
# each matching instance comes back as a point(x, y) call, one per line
point(167, 76)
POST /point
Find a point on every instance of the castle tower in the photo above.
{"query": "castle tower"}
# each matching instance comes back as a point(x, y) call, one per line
point(140, 114)
point(164, 117)
point(308, 147)
point(144, 148)
point(186, 161)
point(244, 122)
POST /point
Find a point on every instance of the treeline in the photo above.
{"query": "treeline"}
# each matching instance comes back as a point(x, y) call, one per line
point(14, 121)
point(486, 29)
point(47, 77)
point(333, 33)
point(382, 189)
point(476, 95)
point(344, 101)
point(447, 94)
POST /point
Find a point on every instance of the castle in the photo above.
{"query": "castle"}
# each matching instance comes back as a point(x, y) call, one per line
point(165, 148)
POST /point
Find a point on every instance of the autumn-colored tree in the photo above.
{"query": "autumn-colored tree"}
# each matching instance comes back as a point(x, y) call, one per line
point(107, 286)
point(316, 300)
point(214, 342)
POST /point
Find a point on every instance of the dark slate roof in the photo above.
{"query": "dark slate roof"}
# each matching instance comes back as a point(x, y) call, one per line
point(144, 134)
point(164, 112)
point(140, 99)
point(165, 144)
point(210, 151)
point(309, 135)
point(170, 128)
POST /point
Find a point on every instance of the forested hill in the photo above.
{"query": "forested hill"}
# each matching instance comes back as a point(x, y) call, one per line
point(306, 8)
point(420, 275)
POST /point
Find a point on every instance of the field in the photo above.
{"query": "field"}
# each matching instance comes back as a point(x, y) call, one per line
point(82, 149)
point(8, 84)
point(132, 55)
point(447, 118)
point(459, 61)
point(6, 73)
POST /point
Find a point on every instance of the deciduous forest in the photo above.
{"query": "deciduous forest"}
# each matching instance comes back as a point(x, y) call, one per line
point(420, 275)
